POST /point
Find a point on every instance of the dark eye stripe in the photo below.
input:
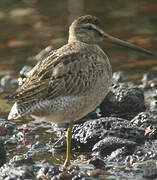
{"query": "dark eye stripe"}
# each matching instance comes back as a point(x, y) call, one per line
point(93, 29)
point(90, 28)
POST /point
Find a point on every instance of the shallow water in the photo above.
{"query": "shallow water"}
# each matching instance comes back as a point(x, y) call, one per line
point(26, 27)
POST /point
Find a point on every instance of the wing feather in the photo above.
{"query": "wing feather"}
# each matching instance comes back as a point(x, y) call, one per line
point(58, 75)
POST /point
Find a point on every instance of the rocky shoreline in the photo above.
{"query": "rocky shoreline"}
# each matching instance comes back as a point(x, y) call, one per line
point(116, 141)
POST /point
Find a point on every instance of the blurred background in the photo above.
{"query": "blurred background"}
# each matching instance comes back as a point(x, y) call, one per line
point(28, 26)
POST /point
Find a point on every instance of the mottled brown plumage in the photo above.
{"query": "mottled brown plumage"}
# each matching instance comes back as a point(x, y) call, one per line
point(60, 74)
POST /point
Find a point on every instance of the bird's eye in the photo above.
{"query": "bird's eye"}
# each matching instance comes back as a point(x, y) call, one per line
point(89, 27)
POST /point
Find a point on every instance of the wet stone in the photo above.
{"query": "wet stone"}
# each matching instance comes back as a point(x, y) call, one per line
point(109, 144)
point(145, 119)
point(146, 152)
point(149, 169)
point(38, 145)
point(8, 83)
point(9, 126)
point(14, 140)
point(58, 173)
point(3, 131)
point(97, 162)
point(2, 154)
point(37, 148)
point(90, 132)
point(121, 154)
point(117, 145)
point(124, 100)
point(150, 172)
point(21, 160)
point(13, 172)
point(11, 142)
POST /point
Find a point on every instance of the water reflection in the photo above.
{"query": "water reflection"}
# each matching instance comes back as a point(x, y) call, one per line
point(75, 9)
point(28, 26)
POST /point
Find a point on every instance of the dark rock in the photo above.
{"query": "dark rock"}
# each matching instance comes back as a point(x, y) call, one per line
point(58, 173)
point(146, 152)
point(3, 131)
point(37, 149)
point(21, 160)
point(9, 83)
point(13, 172)
point(148, 121)
point(13, 141)
point(120, 154)
point(145, 119)
point(97, 162)
point(9, 126)
point(109, 144)
point(19, 167)
point(38, 145)
point(90, 132)
point(149, 169)
point(119, 145)
point(124, 100)
point(2, 154)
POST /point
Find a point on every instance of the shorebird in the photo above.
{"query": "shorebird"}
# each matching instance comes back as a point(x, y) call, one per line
point(71, 81)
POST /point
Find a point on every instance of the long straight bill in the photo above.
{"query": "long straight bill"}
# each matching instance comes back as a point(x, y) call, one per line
point(127, 44)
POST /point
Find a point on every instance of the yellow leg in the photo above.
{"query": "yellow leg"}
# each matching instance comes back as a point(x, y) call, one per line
point(68, 138)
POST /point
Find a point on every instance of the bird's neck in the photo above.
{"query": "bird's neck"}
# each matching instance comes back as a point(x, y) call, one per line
point(72, 38)
point(75, 36)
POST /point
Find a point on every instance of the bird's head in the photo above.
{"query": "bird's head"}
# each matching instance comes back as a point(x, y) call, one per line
point(87, 29)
